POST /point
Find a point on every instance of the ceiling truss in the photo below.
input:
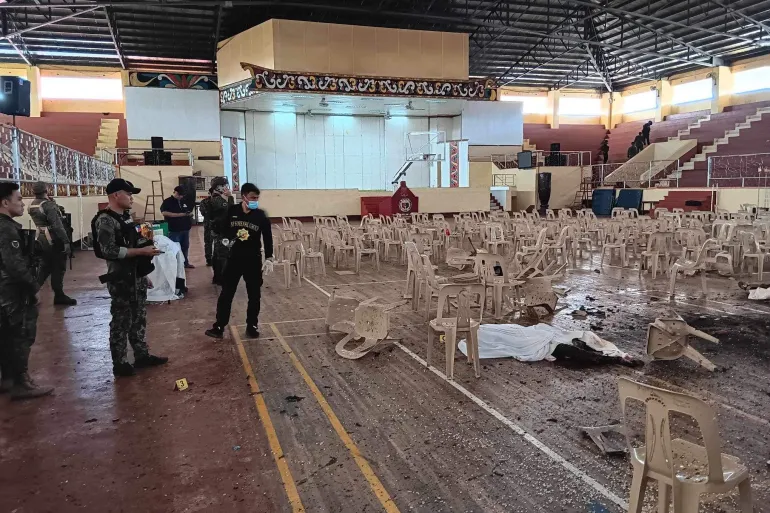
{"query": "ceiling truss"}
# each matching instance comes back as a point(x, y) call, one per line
point(550, 44)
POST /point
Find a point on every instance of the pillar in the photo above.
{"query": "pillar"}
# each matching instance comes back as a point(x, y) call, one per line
point(612, 109)
point(552, 117)
point(35, 93)
point(663, 104)
point(722, 88)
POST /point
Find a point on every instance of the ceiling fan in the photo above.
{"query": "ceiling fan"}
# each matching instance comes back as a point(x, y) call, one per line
point(409, 106)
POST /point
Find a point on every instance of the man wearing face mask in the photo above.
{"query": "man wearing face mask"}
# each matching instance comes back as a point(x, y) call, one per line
point(245, 228)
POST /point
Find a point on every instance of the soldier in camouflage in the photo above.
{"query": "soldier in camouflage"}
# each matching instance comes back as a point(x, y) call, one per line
point(18, 298)
point(205, 209)
point(116, 236)
point(221, 200)
point(54, 241)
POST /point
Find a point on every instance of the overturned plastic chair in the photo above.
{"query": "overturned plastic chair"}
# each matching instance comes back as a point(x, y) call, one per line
point(668, 339)
point(358, 319)
point(538, 292)
point(684, 470)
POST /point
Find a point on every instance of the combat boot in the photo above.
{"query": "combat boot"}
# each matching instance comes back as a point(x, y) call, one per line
point(252, 331)
point(25, 388)
point(64, 300)
point(6, 384)
point(150, 361)
point(216, 331)
point(123, 370)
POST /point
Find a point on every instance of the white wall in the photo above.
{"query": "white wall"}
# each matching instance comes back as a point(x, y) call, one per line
point(296, 151)
point(493, 123)
point(233, 124)
point(174, 114)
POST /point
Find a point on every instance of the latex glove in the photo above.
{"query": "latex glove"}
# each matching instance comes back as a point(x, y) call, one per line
point(267, 266)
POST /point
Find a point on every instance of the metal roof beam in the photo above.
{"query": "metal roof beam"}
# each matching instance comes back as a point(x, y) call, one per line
point(742, 16)
point(47, 23)
point(115, 40)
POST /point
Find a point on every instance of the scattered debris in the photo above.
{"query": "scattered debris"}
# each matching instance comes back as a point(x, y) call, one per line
point(236, 447)
point(610, 439)
point(294, 398)
point(581, 313)
point(90, 421)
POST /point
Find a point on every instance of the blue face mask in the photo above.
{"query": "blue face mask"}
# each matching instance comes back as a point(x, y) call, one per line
point(253, 205)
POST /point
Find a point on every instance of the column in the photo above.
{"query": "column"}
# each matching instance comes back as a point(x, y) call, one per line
point(612, 109)
point(552, 117)
point(722, 88)
point(35, 96)
point(663, 105)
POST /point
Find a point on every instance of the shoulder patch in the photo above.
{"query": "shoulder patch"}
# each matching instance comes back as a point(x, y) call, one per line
point(15, 244)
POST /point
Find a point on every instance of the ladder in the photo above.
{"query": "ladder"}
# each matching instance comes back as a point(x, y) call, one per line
point(151, 203)
point(583, 196)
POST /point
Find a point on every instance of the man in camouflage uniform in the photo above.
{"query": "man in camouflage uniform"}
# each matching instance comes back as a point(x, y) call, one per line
point(128, 265)
point(54, 242)
point(221, 200)
point(205, 210)
point(18, 298)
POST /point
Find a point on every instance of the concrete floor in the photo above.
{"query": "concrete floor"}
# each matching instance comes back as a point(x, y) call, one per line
point(305, 430)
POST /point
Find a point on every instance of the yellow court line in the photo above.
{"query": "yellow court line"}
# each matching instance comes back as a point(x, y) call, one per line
point(272, 436)
point(374, 483)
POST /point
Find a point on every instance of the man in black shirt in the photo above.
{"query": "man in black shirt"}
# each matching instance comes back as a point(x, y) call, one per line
point(241, 230)
point(178, 215)
point(646, 132)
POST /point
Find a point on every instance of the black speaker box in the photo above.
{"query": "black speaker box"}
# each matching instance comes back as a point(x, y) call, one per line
point(14, 96)
point(525, 159)
point(157, 158)
point(555, 147)
point(156, 143)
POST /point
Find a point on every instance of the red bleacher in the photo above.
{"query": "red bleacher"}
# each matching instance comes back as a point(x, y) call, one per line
point(78, 131)
point(571, 137)
point(623, 134)
point(679, 199)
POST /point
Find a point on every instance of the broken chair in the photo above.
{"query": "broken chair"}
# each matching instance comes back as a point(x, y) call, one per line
point(667, 339)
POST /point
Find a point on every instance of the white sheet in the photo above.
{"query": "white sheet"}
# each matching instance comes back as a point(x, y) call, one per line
point(168, 267)
point(533, 343)
point(759, 294)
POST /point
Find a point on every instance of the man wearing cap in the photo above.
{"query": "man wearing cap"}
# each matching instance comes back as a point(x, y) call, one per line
point(178, 215)
point(221, 201)
point(129, 261)
point(54, 242)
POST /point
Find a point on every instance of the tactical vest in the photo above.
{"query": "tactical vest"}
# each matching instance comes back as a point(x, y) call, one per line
point(127, 237)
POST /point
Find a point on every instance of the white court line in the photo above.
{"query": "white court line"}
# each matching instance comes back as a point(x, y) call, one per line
point(365, 283)
point(513, 426)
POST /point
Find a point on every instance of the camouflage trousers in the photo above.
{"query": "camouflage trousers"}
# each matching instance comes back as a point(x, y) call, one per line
point(208, 241)
point(18, 335)
point(129, 320)
point(53, 263)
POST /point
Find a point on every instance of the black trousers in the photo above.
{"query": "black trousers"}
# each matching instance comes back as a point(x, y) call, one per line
point(251, 272)
point(53, 264)
point(646, 139)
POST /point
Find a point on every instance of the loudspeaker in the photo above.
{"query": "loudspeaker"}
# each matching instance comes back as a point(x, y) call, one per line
point(14, 96)
point(525, 159)
point(156, 143)
point(555, 159)
point(157, 158)
point(544, 190)
point(555, 147)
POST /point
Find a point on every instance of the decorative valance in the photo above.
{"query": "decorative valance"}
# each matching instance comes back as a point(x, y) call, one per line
point(267, 80)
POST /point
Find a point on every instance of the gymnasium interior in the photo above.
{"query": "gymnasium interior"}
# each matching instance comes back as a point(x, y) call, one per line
point(519, 255)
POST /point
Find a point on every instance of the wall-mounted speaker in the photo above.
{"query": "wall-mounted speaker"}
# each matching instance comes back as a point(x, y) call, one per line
point(14, 96)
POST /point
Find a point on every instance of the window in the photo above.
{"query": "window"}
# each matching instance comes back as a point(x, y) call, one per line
point(639, 102)
point(751, 80)
point(532, 104)
point(81, 88)
point(575, 106)
point(692, 91)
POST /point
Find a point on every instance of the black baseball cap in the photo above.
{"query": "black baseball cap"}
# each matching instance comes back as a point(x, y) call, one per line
point(179, 189)
point(118, 184)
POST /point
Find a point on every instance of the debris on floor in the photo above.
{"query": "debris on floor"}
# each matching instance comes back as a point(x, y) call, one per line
point(610, 439)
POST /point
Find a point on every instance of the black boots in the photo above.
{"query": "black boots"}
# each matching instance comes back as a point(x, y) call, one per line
point(123, 370)
point(150, 361)
point(216, 331)
point(25, 388)
point(252, 332)
point(64, 300)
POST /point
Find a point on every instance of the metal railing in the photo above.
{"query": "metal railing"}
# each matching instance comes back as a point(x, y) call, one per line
point(26, 158)
point(636, 174)
point(749, 170)
point(135, 156)
point(539, 158)
point(504, 180)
